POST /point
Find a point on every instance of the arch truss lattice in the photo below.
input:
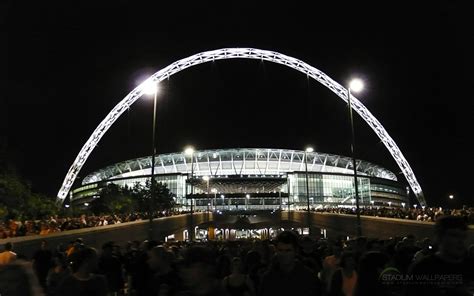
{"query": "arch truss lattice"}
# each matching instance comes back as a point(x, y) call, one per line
point(240, 53)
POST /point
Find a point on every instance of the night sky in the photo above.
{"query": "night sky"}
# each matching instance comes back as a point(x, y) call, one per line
point(66, 67)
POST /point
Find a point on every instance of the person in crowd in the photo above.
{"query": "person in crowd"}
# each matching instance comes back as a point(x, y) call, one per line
point(83, 281)
point(223, 265)
point(74, 246)
point(42, 262)
point(111, 267)
point(374, 245)
point(359, 247)
point(471, 251)
point(237, 283)
point(371, 267)
point(18, 279)
point(288, 276)
point(404, 252)
point(138, 271)
point(426, 250)
point(164, 280)
point(344, 280)
point(449, 271)
point(57, 273)
point(330, 265)
point(146, 273)
point(308, 255)
point(7, 256)
point(197, 272)
point(255, 267)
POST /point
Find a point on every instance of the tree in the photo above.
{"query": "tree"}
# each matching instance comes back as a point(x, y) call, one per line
point(113, 199)
point(163, 198)
point(39, 206)
point(13, 194)
point(17, 201)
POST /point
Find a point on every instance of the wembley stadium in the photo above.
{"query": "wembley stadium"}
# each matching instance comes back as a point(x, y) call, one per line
point(252, 179)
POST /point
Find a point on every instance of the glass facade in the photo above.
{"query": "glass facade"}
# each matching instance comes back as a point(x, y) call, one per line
point(324, 189)
point(174, 182)
point(327, 188)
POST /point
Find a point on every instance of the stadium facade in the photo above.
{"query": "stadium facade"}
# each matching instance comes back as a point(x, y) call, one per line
point(253, 178)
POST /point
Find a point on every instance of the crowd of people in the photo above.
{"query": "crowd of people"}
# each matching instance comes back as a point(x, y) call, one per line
point(420, 213)
point(14, 228)
point(288, 265)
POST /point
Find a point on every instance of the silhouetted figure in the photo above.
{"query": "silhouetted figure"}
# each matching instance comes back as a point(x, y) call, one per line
point(137, 268)
point(57, 274)
point(83, 281)
point(255, 268)
point(197, 272)
point(371, 265)
point(164, 279)
point(449, 271)
point(18, 279)
point(238, 283)
point(330, 265)
point(111, 267)
point(344, 279)
point(7, 256)
point(42, 262)
point(288, 276)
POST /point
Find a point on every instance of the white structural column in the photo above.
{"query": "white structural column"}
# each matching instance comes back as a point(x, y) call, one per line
point(240, 53)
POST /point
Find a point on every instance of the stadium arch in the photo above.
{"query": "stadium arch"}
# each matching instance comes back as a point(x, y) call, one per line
point(242, 53)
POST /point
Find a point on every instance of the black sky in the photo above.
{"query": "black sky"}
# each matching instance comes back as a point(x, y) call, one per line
point(66, 66)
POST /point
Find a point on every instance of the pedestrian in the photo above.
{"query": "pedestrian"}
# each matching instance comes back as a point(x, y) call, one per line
point(42, 262)
point(7, 256)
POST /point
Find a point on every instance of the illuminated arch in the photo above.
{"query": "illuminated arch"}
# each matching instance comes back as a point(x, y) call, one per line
point(242, 53)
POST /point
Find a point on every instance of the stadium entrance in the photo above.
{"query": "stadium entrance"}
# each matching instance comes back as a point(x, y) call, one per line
point(259, 225)
point(236, 193)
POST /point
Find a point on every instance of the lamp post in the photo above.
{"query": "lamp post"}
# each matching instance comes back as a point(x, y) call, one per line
point(206, 178)
point(190, 151)
point(309, 149)
point(214, 204)
point(279, 196)
point(355, 85)
point(152, 89)
point(223, 202)
point(451, 198)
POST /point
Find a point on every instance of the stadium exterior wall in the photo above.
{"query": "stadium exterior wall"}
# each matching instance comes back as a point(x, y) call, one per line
point(330, 179)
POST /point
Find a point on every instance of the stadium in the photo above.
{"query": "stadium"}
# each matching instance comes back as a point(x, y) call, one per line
point(253, 179)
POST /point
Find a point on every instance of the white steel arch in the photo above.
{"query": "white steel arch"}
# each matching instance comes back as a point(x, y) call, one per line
point(243, 53)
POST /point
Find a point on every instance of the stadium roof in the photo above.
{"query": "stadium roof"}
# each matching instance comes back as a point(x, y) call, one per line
point(239, 161)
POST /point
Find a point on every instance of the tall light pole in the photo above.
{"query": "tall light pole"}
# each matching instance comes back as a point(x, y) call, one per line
point(214, 204)
point(152, 89)
point(279, 196)
point(451, 197)
point(355, 85)
point(309, 149)
point(190, 151)
point(206, 178)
